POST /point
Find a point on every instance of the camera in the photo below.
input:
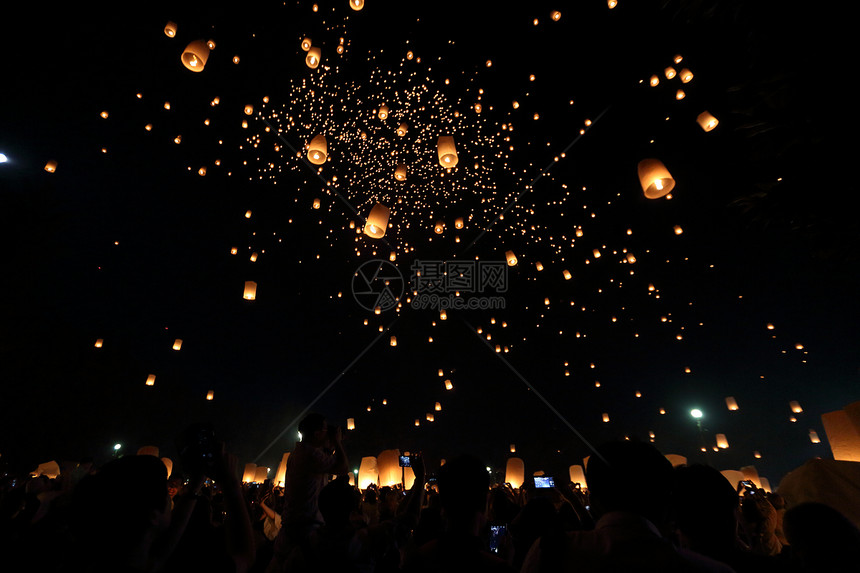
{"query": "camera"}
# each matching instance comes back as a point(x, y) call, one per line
point(497, 532)
point(405, 461)
point(544, 482)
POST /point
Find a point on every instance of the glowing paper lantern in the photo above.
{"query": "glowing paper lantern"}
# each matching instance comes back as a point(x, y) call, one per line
point(707, 121)
point(678, 229)
point(99, 343)
point(447, 151)
point(49, 469)
point(515, 472)
point(388, 464)
point(281, 474)
point(261, 474)
point(170, 29)
point(177, 344)
point(377, 221)
point(367, 472)
point(655, 179)
point(458, 223)
point(383, 111)
point(250, 290)
point(148, 451)
point(676, 460)
point(393, 341)
point(813, 437)
point(722, 442)
point(795, 407)
point(195, 55)
point(731, 403)
point(402, 128)
point(577, 475)
point(249, 109)
point(306, 44)
point(567, 275)
point(150, 380)
point(612, 3)
point(168, 464)
point(842, 435)
point(538, 265)
point(605, 417)
point(316, 204)
point(440, 227)
point(318, 150)
point(686, 75)
point(513, 448)
point(511, 258)
point(350, 423)
point(249, 473)
point(51, 166)
point(408, 478)
point(734, 477)
point(751, 474)
point(312, 59)
point(449, 385)
point(400, 172)
point(654, 81)
point(210, 395)
point(356, 4)
point(670, 72)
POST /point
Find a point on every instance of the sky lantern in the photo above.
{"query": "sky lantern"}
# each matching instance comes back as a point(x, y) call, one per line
point(439, 227)
point(707, 121)
point(356, 4)
point(511, 258)
point(515, 472)
point(654, 81)
point(250, 290)
point(51, 166)
point(170, 29)
point(840, 427)
point(731, 403)
point(538, 265)
point(577, 475)
point(350, 423)
point(449, 385)
point(686, 75)
point(261, 473)
point(316, 203)
point(596, 253)
point(150, 380)
point(388, 465)
point(722, 442)
point(612, 3)
point(148, 451)
point(795, 407)
point(655, 179)
point(367, 472)
point(447, 151)
point(249, 473)
point(813, 437)
point(306, 44)
point(605, 417)
point(678, 229)
point(312, 59)
point(195, 55)
point(99, 343)
point(377, 221)
point(210, 395)
point(402, 129)
point(177, 344)
point(393, 341)
point(318, 150)
point(249, 109)
point(168, 465)
point(383, 112)
point(458, 223)
point(400, 172)
point(281, 474)
point(670, 72)
point(566, 274)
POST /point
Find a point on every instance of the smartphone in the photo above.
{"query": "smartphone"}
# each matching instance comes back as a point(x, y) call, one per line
point(544, 481)
point(497, 532)
point(405, 462)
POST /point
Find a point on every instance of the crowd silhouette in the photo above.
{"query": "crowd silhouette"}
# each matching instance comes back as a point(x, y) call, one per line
point(638, 513)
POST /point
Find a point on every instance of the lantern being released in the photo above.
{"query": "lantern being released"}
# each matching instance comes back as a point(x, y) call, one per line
point(655, 179)
point(195, 55)
point(250, 471)
point(577, 475)
point(377, 221)
point(318, 150)
point(447, 151)
point(515, 472)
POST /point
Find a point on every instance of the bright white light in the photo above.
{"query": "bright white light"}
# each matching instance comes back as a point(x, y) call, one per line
point(3, 158)
point(696, 413)
point(117, 446)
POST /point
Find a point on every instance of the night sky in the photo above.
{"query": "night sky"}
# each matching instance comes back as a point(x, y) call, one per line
point(127, 243)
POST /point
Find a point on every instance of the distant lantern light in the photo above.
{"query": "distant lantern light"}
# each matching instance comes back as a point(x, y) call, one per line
point(177, 344)
point(686, 75)
point(318, 150)
point(458, 223)
point(383, 112)
point(313, 58)
point(438, 407)
point(795, 407)
point(356, 4)
point(566, 274)
point(235, 59)
point(248, 214)
point(813, 437)
point(377, 221)
point(393, 341)
point(678, 230)
point(249, 109)
point(447, 151)
point(605, 417)
point(150, 380)
point(513, 448)
point(195, 55)
point(402, 129)
point(731, 403)
point(596, 253)
point(722, 442)
point(250, 290)
point(306, 44)
point(439, 227)
point(449, 385)
point(538, 265)
point(707, 121)
point(515, 472)
point(556, 16)
point(612, 3)
point(400, 172)
point(99, 343)
point(210, 395)
point(350, 423)
point(170, 29)
point(511, 258)
point(680, 94)
point(316, 204)
point(770, 326)
point(655, 179)
point(654, 81)
point(51, 166)
point(670, 72)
